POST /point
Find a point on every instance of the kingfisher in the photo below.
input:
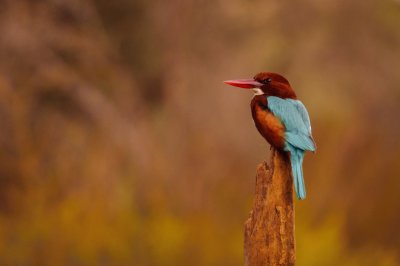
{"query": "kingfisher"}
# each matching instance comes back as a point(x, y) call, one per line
point(281, 119)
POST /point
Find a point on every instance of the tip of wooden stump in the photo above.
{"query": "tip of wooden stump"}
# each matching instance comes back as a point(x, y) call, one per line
point(269, 230)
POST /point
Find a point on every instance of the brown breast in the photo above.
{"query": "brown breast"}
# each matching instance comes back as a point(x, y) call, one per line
point(269, 126)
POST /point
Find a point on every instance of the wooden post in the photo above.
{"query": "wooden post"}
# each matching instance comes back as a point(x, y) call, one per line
point(269, 231)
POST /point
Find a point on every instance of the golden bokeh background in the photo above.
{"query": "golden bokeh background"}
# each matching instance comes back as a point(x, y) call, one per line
point(120, 145)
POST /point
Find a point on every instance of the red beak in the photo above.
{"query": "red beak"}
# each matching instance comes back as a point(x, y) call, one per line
point(244, 83)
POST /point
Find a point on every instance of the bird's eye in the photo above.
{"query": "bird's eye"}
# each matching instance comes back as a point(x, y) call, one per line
point(267, 80)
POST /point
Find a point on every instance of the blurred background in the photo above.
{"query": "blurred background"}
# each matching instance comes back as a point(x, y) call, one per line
point(120, 145)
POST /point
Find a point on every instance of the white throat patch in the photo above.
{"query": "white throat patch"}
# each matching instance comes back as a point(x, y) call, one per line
point(258, 91)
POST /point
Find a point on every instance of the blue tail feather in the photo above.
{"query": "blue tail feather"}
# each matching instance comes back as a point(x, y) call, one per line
point(296, 159)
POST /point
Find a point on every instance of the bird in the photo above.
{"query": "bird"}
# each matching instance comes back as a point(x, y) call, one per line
point(281, 119)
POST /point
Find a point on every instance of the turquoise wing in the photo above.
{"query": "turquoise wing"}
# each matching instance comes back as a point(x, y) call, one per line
point(294, 117)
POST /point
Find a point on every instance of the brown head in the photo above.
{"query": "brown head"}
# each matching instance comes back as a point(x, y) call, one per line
point(267, 83)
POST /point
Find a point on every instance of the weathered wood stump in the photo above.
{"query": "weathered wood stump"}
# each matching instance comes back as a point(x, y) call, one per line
point(269, 231)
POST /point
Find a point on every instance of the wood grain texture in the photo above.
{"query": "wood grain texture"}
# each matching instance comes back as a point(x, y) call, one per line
point(269, 231)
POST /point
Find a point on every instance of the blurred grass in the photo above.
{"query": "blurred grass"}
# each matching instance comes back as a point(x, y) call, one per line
point(121, 146)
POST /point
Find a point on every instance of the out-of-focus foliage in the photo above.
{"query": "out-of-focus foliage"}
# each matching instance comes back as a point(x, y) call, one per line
point(121, 146)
